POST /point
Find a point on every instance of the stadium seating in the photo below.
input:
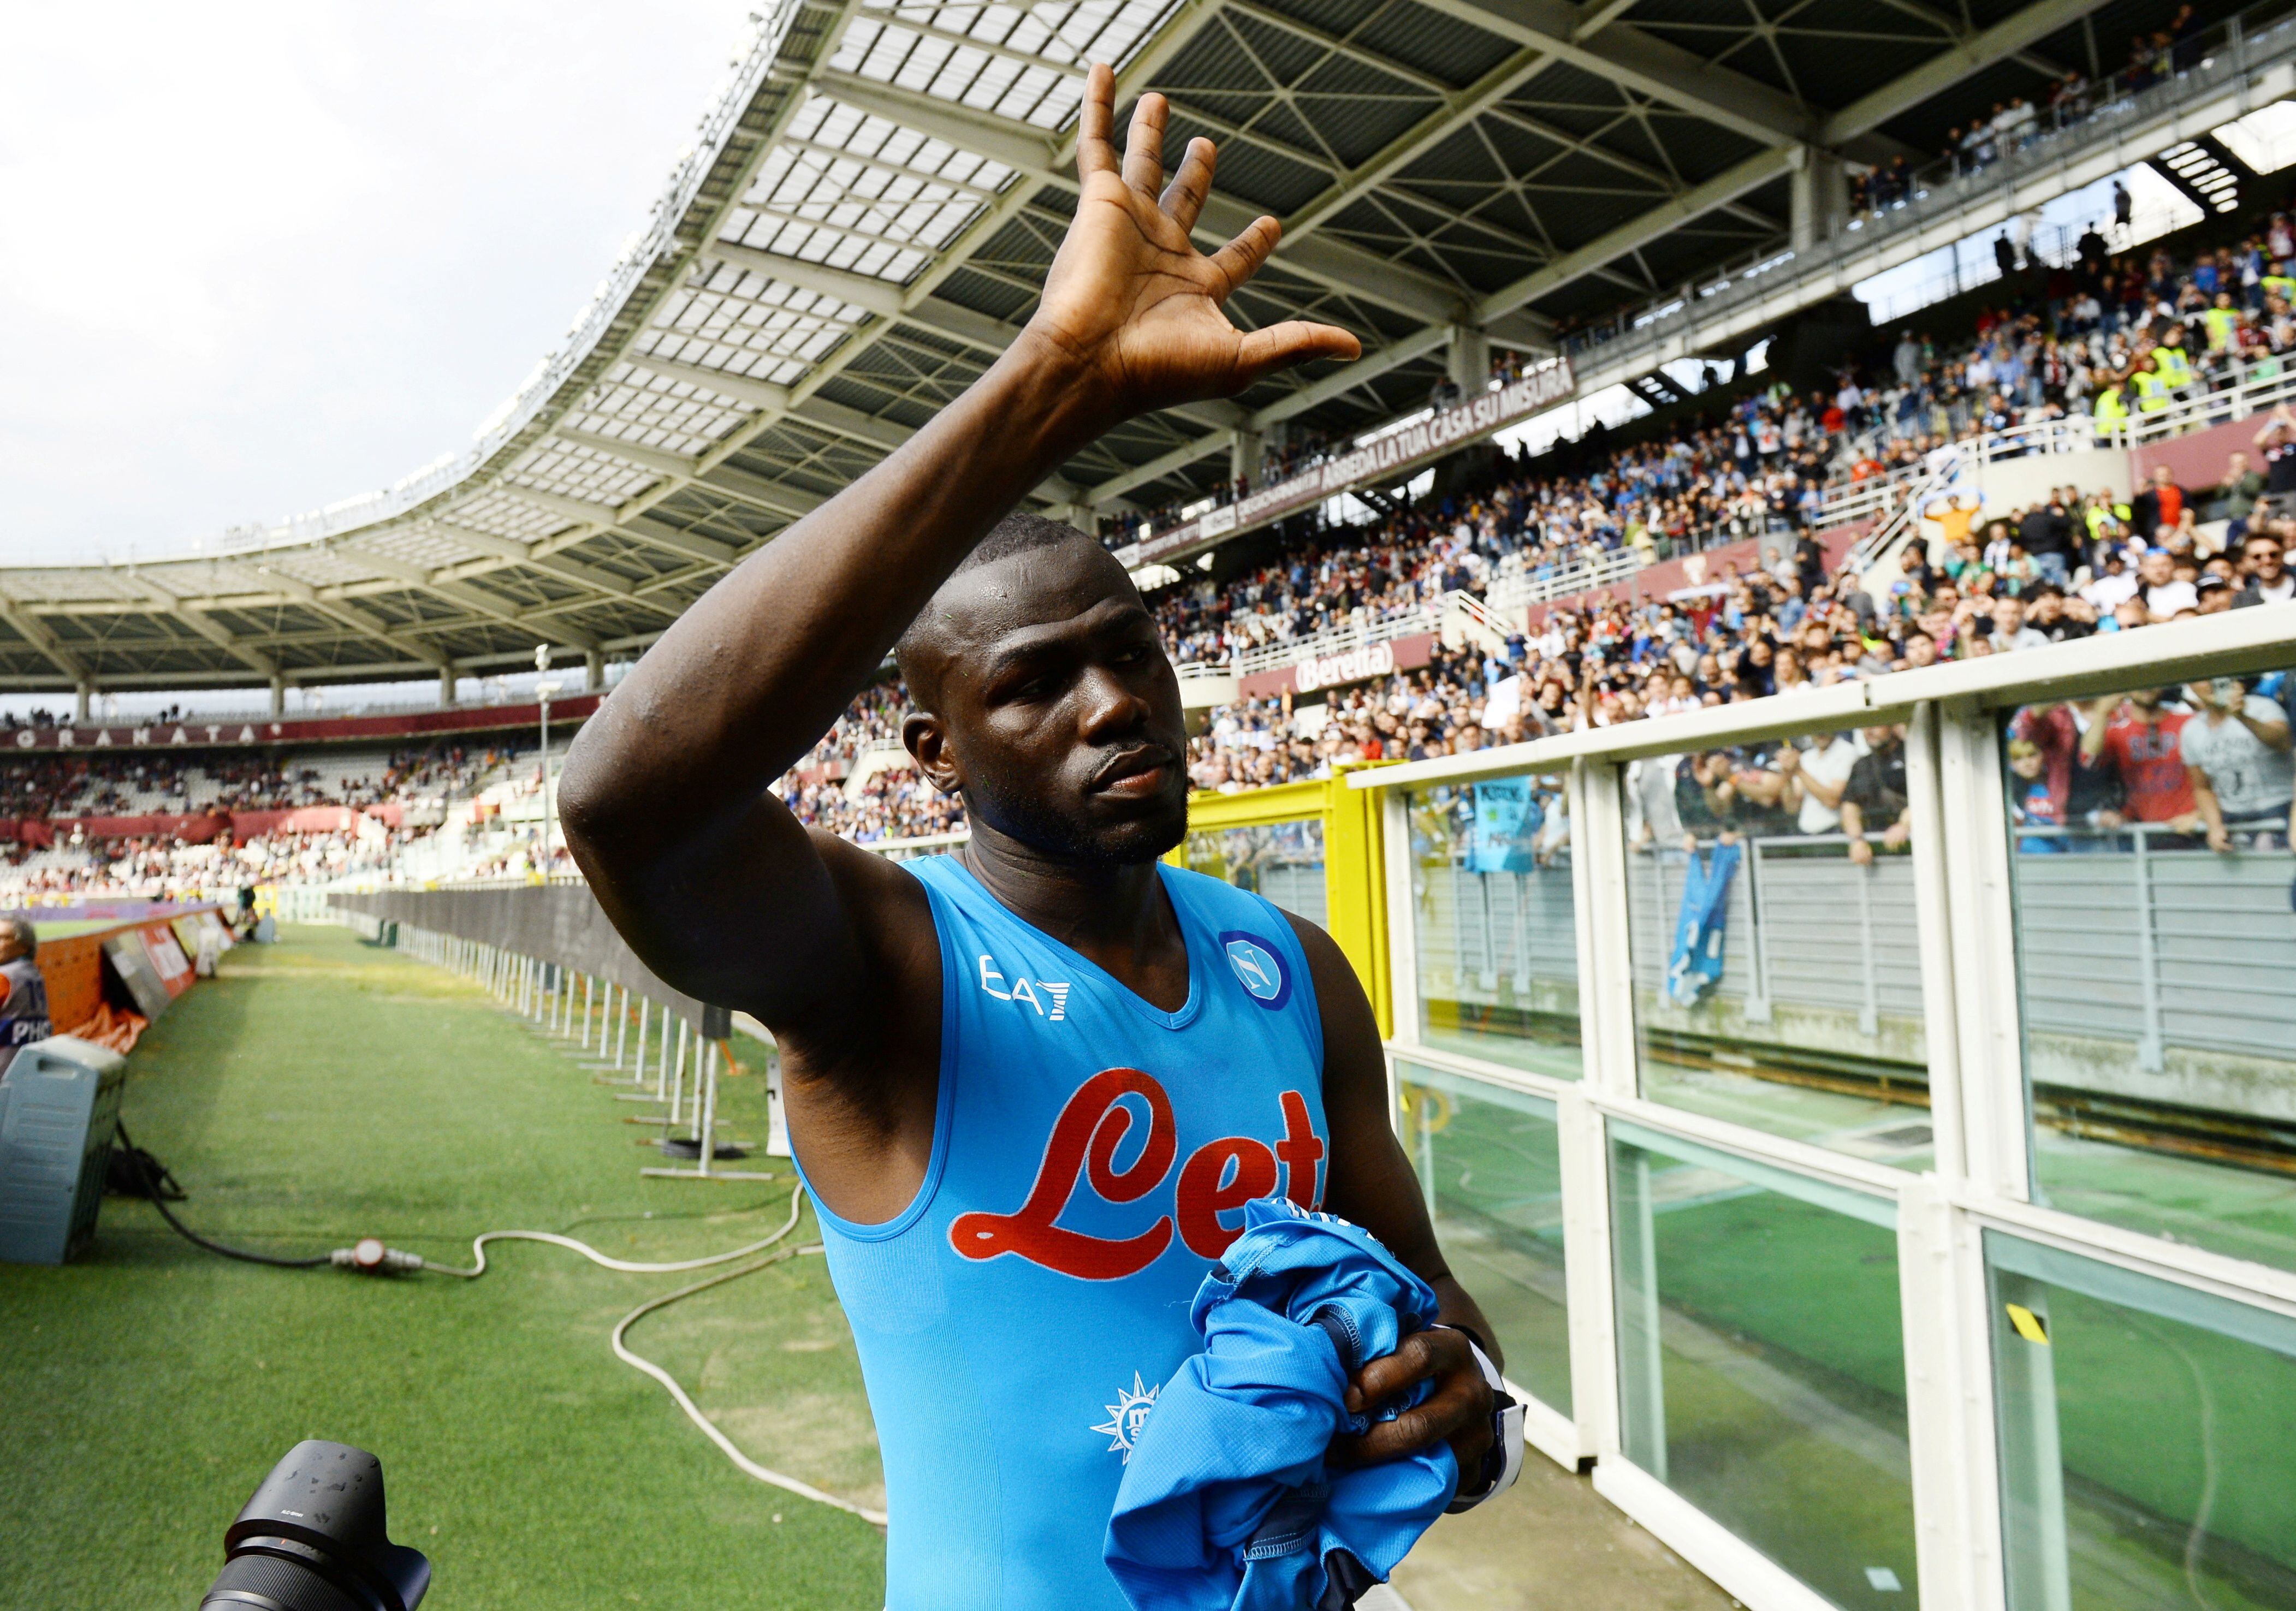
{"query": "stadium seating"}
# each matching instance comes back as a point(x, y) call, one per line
point(1775, 464)
point(1757, 464)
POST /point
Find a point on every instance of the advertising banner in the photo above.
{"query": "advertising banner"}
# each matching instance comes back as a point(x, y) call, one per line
point(167, 958)
point(1382, 459)
point(1362, 665)
point(131, 960)
point(300, 730)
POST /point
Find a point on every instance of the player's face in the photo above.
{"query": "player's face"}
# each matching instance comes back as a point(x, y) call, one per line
point(1059, 714)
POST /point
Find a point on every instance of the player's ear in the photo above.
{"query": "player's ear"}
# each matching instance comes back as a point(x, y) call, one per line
point(927, 742)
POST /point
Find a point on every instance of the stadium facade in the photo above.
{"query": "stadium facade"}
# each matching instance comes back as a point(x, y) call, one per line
point(865, 213)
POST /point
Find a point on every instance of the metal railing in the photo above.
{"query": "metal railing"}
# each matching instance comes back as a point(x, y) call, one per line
point(2116, 927)
point(2177, 916)
point(1515, 590)
point(1330, 641)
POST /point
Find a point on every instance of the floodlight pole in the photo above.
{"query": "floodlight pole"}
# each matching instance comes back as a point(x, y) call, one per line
point(543, 690)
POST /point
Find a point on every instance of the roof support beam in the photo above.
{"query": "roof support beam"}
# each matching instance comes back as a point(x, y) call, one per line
point(1456, 112)
point(761, 395)
point(852, 424)
point(1973, 54)
point(864, 291)
point(934, 313)
point(1369, 367)
point(655, 459)
point(35, 632)
point(478, 601)
point(557, 503)
point(556, 565)
point(1025, 149)
point(2003, 40)
point(1158, 468)
point(671, 539)
point(790, 503)
point(774, 401)
point(1643, 63)
point(215, 632)
point(358, 619)
point(1727, 185)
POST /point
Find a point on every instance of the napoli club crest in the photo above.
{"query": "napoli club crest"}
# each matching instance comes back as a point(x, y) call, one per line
point(1258, 967)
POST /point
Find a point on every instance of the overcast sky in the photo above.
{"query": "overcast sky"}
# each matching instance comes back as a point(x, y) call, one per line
point(255, 258)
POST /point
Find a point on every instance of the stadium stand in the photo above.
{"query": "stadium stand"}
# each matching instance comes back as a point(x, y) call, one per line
point(1768, 461)
point(2068, 342)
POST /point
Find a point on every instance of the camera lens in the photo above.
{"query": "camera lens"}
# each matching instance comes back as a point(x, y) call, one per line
point(269, 1583)
point(313, 1538)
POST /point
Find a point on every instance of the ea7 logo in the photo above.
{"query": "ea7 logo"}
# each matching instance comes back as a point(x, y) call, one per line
point(1049, 997)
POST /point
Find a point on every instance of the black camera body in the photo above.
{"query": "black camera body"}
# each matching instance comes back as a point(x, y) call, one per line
point(313, 1538)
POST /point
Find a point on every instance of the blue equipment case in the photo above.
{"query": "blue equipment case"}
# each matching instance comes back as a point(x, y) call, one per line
point(59, 1111)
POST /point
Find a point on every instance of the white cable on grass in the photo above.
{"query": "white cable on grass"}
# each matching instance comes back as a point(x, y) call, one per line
point(693, 1410)
point(627, 1267)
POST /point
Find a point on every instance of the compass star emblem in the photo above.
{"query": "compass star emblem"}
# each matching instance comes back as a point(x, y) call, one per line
point(1127, 1415)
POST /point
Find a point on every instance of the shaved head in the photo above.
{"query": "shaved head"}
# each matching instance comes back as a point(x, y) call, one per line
point(948, 617)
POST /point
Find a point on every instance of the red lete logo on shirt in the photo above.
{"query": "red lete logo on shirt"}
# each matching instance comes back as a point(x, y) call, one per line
point(1219, 1178)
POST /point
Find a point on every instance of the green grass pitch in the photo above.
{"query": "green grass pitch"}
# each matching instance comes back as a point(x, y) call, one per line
point(321, 1090)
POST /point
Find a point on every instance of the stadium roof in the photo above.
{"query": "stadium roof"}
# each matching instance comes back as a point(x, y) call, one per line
point(866, 215)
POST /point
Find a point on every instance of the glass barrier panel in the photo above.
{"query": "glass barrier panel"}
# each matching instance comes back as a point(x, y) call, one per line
point(2146, 1463)
point(1281, 861)
point(1494, 923)
point(2156, 959)
point(1489, 1160)
point(1777, 959)
point(1761, 1363)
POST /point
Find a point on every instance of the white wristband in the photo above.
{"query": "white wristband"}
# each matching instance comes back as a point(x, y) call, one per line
point(1506, 1438)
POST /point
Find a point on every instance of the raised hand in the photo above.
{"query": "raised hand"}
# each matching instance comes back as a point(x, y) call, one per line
point(1131, 298)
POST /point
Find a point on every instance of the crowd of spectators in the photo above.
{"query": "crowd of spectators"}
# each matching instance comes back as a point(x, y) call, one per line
point(2071, 100)
point(858, 782)
point(155, 868)
point(60, 790)
point(1982, 582)
point(2099, 337)
point(50, 784)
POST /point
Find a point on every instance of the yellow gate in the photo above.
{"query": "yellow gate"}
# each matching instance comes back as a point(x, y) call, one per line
point(1313, 848)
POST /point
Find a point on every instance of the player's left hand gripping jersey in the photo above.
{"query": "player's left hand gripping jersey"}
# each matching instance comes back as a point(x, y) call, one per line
point(1091, 1158)
point(23, 1007)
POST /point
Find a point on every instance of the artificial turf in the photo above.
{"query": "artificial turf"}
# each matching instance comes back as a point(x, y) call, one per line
point(321, 1090)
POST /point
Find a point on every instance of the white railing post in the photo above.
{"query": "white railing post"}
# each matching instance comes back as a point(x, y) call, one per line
point(2150, 1056)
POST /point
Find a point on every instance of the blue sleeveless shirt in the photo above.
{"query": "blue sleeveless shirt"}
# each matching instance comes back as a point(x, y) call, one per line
point(1091, 1157)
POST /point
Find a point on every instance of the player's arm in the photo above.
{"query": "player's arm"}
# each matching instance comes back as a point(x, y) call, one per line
point(713, 882)
point(1368, 1180)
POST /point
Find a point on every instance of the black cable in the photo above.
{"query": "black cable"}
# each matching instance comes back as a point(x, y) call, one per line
point(194, 1237)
